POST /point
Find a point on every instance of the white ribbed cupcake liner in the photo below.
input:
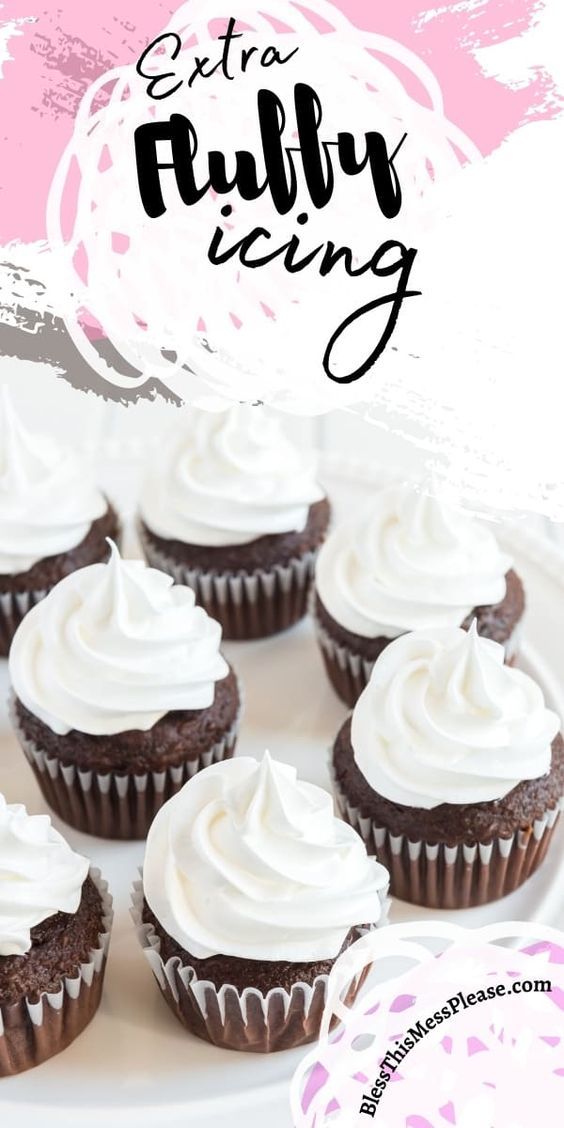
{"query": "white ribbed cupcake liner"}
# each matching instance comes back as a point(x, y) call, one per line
point(512, 644)
point(349, 673)
point(114, 804)
point(33, 1031)
point(239, 1019)
point(247, 604)
point(14, 606)
point(439, 876)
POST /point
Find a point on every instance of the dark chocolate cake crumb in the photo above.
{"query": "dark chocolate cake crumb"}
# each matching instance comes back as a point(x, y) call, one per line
point(179, 736)
point(496, 622)
point(263, 975)
point(450, 823)
point(44, 574)
point(59, 946)
point(261, 554)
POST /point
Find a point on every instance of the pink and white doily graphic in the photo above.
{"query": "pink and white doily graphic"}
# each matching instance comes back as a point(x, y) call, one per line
point(494, 1060)
point(146, 284)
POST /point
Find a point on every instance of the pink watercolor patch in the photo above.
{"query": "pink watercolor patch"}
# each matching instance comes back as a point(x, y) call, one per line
point(448, 1113)
point(475, 1046)
point(403, 1002)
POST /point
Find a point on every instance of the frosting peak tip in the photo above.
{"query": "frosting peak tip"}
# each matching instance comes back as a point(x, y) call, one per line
point(132, 632)
point(245, 871)
point(266, 770)
point(448, 722)
point(115, 554)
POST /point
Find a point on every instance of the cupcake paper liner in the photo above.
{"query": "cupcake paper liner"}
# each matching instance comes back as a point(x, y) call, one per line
point(512, 644)
point(32, 1032)
point(113, 804)
point(438, 876)
point(249, 605)
point(233, 1019)
point(349, 673)
point(13, 607)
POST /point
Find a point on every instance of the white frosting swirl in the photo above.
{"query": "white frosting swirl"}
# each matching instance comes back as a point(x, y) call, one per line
point(247, 861)
point(443, 720)
point(114, 647)
point(47, 503)
point(409, 564)
point(227, 478)
point(39, 876)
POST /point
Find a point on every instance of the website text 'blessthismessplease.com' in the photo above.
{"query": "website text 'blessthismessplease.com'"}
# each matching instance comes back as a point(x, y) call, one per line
point(393, 1058)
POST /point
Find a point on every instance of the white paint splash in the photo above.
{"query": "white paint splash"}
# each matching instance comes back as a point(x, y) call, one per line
point(516, 61)
point(477, 376)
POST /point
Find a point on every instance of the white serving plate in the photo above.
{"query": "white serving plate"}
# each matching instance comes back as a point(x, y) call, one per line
point(135, 1065)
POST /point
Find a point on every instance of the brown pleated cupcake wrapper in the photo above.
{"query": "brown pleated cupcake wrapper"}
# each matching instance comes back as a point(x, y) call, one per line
point(240, 1020)
point(32, 1032)
point(349, 673)
point(248, 605)
point(14, 606)
point(438, 876)
point(113, 804)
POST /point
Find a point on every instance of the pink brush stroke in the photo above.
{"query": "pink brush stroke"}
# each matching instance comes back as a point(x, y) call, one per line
point(55, 57)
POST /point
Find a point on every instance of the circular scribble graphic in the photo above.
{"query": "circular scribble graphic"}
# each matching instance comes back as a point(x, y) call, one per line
point(146, 287)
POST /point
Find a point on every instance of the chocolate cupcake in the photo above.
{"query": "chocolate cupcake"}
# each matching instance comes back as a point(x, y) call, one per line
point(251, 890)
point(52, 519)
point(55, 921)
point(452, 769)
point(410, 563)
point(120, 695)
point(235, 511)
